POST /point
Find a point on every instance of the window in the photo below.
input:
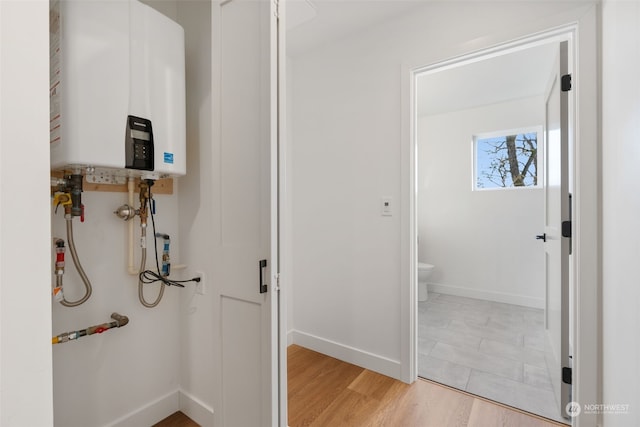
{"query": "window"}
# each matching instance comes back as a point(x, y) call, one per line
point(506, 159)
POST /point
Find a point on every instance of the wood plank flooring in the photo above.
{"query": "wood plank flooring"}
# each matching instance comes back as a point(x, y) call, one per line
point(178, 419)
point(324, 391)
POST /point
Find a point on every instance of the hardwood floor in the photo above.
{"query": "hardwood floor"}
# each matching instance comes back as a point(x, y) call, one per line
point(324, 391)
point(178, 419)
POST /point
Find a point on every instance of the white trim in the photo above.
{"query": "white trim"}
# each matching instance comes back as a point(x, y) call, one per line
point(216, 130)
point(152, 412)
point(587, 244)
point(278, 387)
point(358, 357)
point(164, 406)
point(408, 230)
point(283, 221)
point(195, 409)
point(539, 38)
point(487, 295)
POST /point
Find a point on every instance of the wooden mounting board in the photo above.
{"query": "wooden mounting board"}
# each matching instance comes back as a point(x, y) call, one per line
point(161, 186)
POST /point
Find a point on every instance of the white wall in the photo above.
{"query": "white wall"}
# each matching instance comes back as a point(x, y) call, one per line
point(347, 153)
point(198, 376)
point(621, 205)
point(100, 379)
point(25, 306)
point(481, 242)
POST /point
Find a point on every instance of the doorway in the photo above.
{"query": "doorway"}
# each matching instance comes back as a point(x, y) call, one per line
point(482, 174)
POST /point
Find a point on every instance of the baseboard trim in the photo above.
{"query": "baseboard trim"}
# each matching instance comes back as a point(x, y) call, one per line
point(196, 409)
point(487, 295)
point(151, 413)
point(289, 337)
point(365, 359)
point(161, 408)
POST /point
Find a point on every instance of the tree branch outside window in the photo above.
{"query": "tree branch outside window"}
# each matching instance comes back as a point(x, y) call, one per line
point(507, 161)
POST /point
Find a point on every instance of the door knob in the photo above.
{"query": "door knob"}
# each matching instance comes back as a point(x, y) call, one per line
point(542, 237)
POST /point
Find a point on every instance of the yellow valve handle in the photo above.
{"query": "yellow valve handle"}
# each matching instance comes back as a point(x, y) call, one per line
point(63, 199)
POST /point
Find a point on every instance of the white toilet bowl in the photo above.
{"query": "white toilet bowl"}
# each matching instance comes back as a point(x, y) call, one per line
point(424, 271)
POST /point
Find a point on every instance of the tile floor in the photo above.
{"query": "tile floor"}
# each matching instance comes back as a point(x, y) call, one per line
point(490, 349)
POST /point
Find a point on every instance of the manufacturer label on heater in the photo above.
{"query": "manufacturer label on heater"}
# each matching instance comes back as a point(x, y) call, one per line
point(54, 73)
point(168, 158)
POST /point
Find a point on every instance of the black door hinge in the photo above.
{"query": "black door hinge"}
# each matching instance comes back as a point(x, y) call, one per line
point(566, 375)
point(565, 83)
point(566, 228)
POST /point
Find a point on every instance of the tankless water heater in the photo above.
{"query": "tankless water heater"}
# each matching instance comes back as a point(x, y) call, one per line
point(117, 89)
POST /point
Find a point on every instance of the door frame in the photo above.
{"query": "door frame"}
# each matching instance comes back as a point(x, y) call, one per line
point(281, 221)
point(585, 335)
point(554, 244)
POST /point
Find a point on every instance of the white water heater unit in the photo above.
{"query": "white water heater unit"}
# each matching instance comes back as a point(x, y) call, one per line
point(117, 89)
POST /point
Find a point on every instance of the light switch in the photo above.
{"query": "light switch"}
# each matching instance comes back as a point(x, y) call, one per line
point(387, 206)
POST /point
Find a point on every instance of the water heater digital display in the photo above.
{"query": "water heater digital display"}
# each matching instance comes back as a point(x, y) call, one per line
point(117, 89)
point(139, 144)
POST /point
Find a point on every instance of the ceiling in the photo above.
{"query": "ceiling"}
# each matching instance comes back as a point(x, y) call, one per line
point(313, 23)
point(517, 75)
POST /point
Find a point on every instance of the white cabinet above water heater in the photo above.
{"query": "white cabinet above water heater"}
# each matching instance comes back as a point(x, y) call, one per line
point(117, 89)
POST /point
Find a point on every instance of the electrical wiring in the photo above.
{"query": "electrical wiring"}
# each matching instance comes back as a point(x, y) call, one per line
point(150, 276)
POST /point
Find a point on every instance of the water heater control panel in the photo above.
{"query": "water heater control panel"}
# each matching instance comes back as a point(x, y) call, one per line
point(139, 144)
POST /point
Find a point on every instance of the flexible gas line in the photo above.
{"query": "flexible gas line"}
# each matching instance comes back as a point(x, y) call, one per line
point(145, 198)
point(143, 263)
point(78, 265)
point(118, 322)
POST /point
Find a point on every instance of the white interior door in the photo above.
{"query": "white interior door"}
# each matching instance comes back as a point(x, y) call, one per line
point(248, 300)
point(557, 210)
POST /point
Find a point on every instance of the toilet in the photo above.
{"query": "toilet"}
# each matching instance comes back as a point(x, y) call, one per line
point(424, 271)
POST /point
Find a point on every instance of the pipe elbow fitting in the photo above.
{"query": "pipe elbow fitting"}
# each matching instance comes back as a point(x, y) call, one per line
point(120, 319)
